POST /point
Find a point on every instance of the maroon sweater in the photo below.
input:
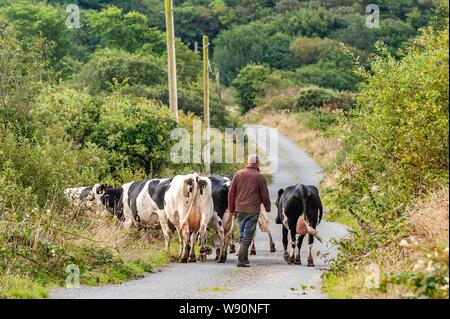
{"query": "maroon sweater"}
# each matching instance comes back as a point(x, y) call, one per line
point(248, 190)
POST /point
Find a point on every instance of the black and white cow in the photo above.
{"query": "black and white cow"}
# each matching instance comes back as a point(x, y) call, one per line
point(300, 211)
point(220, 187)
point(86, 195)
point(143, 205)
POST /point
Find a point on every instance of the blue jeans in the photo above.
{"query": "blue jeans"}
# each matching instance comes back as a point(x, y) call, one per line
point(247, 226)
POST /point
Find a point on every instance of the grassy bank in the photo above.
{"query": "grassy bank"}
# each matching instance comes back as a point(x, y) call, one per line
point(39, 250)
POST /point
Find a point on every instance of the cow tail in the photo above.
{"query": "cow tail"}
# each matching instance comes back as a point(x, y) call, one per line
point(312, 231)
point(194, 196)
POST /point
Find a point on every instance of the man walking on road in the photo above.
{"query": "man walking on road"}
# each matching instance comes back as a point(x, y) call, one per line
point(248, 190)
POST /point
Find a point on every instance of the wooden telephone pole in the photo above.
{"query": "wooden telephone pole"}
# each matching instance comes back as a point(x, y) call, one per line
point(171, 60)
point(207, 158)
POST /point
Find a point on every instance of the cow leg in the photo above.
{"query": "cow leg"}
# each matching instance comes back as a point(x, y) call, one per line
point(166, 231)
point(203, 238)
point(232, 242)
point(184, 236)
point(217, 246)
point(285, 243)
point(193, 239)
point(180, 240)
point(310, 257)
point(272, 244)
point(292, 242)
point(219, 241)
point(252, 246)
point(297, 260)
point(128, 223)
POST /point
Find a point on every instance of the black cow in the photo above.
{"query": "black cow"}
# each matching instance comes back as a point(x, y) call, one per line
point(220, 188)
point(292, 203)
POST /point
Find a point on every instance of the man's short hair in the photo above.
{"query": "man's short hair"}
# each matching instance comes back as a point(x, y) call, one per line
point(253, 159)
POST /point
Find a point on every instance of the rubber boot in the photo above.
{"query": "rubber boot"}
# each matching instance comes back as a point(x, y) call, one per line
point(243, 254)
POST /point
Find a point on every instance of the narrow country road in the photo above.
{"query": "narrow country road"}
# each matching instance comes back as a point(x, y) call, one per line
point(269, 277)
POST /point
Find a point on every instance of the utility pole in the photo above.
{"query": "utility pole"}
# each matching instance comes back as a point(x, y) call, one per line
point(171, 60)
point(207, 158)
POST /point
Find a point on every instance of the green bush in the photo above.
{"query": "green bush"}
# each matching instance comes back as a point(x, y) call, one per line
point(75, 113)
point(109, 68)
point(334, 70)
point(308, 50)
point(24, 73)
point(314, 98)
point(136, 129)
point(251, 84)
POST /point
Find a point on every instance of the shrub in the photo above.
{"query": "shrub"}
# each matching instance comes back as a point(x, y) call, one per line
point(190, 100)
point(108, 68)
point(137, 130)
point(75, 113)
point(24, 73)
point(314, 98)
point(308, 50)
point(251, 83)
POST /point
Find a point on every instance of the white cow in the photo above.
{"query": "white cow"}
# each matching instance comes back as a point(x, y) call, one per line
point(189, 207)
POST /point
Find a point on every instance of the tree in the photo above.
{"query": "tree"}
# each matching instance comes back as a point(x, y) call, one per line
point(193, 21)
point(38, 19)
point(394, 33)
point(116, 29)
point(311, 22)
point(23, 75)
point(245, 44)
point(333, 70)
point(138, 130)
point(112, 67)
point(250, 84)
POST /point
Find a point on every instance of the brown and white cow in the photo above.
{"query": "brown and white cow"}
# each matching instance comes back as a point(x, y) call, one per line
point(263, 223)
point(189, 207)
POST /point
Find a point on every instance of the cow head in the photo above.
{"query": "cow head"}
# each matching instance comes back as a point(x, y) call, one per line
point(101, 189)
point(98, 190)
point(188, 186)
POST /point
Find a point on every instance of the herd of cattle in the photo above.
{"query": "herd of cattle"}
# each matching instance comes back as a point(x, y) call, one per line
point(192, 204)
